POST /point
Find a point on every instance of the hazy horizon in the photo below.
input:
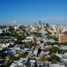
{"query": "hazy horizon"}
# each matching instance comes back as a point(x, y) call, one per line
point(31, 11)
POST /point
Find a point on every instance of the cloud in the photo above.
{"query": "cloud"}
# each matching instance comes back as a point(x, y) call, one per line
point(42, 19)
point(52, 19)
point(55, 17)
point(14, 22)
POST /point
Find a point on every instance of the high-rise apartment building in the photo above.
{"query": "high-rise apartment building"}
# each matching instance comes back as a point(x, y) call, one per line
point(63, 37)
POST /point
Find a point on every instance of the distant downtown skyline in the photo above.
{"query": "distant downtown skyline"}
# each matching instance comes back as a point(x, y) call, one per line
point(31, 11)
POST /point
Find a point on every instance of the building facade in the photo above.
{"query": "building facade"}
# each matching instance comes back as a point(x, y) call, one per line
point(63, 37)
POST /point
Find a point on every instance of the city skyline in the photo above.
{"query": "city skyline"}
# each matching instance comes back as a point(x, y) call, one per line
point(31, 11)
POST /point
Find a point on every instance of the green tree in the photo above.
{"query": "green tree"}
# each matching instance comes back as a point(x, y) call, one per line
point(54, 50)
point(37, 34)
point(12, 58)
point(54, 58)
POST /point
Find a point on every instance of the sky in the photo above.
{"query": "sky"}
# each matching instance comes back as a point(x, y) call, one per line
point(31, 11)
